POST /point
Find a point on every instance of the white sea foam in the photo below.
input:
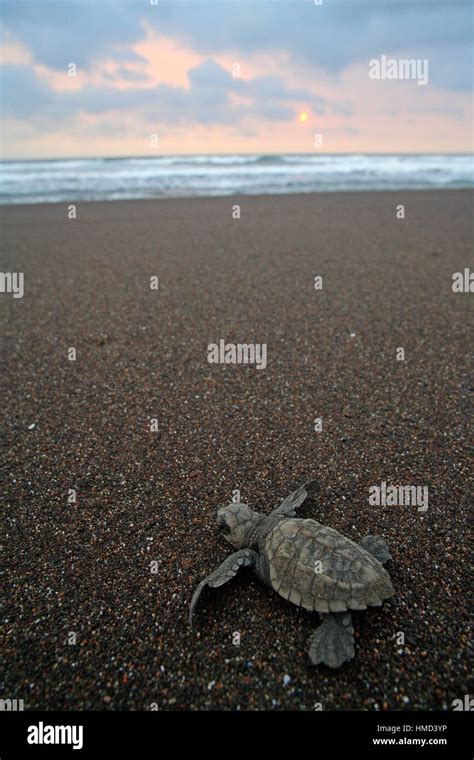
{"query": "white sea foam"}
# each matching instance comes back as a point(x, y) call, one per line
point(187, 176)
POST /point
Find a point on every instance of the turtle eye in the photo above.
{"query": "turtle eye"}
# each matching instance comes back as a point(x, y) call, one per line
point(222, 525)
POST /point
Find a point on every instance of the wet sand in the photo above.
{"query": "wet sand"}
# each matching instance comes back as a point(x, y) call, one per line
point(146, 496)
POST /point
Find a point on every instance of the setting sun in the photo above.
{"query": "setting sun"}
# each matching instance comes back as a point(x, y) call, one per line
point(303, 117)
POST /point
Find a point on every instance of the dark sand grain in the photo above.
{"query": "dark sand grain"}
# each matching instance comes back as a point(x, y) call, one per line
point(143, 496)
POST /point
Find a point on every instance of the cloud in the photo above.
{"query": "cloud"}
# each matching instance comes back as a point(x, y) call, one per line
point(213, 96)
point(209, 74)
point(329, 37)
point(167, 68)
point(21, 93)
point(77, 31)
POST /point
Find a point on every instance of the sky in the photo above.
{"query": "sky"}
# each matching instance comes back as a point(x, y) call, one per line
point(138, 77)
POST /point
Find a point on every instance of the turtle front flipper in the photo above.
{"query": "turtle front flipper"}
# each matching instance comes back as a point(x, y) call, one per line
point(377, 547)
point(226, 571)
point(333, 642)
point(295, 499)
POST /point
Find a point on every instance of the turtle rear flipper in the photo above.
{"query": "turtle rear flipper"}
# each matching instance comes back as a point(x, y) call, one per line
point(333, 642)
point(224, 573)
point(295, 499)
point(377, 547)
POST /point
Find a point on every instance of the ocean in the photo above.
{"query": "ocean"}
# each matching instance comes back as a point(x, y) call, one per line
point(72, 180)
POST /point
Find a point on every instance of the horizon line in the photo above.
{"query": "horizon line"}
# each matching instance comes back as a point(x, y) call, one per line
point(234, 153)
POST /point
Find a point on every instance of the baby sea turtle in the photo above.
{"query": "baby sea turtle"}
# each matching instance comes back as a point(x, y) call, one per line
point(313, 566)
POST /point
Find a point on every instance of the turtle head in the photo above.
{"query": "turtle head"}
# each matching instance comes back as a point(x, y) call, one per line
point(238, 523)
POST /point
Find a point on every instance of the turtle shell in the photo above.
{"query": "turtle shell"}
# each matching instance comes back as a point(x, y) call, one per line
point(316, 567)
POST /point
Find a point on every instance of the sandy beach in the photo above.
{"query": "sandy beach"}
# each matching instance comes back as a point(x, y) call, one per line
point(98, 589)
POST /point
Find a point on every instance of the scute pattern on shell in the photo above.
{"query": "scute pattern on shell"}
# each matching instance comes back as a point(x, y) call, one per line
point(350, 577)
